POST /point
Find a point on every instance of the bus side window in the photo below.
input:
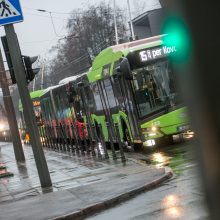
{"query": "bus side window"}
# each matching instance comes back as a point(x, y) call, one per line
point(109, 95)
point(117, 91)
point(90, 101)
point(97, 97)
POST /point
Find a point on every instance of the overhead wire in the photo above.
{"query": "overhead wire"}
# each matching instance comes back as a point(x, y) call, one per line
point(38, 41)
point(81, 58)
point(54, 29)
point(45, 16)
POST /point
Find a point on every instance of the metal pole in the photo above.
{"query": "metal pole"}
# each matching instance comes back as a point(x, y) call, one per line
point(29, 116)
point(115, 22)
point(34, 84)
point(42, 77)
point(130, 20)
point(10, 112)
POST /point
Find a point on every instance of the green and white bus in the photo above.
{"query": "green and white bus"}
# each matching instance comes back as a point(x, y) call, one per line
point(134, 85)
point(128, 95)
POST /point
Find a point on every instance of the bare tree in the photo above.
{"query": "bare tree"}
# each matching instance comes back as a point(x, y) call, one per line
point(89, 32)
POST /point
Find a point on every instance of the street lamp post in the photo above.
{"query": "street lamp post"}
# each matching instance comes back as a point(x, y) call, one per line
point(115, 23)
point(130, 21)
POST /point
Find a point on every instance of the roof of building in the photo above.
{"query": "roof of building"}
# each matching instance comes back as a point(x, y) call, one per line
point(142, 19)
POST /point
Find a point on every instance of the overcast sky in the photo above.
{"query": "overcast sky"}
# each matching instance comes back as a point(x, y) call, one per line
point(36, 34)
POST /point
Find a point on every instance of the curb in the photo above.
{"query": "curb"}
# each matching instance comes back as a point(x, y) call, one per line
point(115, 200)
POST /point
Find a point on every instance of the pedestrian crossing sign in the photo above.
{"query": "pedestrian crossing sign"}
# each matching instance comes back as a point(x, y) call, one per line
point(10, 12)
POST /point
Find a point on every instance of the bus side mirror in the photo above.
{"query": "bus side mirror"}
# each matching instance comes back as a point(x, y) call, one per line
point(125, 68)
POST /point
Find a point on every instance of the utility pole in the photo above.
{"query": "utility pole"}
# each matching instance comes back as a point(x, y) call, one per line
point(29, 116)
point(10, 113)
point(115, 22)
point(42, 77)
point(130, 20)
point(34, 84)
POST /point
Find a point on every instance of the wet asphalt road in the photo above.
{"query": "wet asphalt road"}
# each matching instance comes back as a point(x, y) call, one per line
point(180, 198)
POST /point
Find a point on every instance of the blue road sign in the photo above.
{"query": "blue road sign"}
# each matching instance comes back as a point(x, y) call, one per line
point(10, 12)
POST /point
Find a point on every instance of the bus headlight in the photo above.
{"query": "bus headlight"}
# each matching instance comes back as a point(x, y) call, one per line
point(153, 128)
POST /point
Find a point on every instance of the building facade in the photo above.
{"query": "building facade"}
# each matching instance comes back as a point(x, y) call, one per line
point(149, 23)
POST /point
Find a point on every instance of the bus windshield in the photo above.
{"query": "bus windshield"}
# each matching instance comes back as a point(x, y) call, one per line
point(154, 87)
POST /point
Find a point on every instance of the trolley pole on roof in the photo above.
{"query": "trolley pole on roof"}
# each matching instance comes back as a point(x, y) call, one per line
point(29, 116)
point(10, 113)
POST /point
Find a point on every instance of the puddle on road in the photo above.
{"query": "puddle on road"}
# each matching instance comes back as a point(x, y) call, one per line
point(179, 158)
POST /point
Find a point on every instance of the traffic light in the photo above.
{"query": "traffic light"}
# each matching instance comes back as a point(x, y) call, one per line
point(176, 33)
point(30, 72)
point(8, 58)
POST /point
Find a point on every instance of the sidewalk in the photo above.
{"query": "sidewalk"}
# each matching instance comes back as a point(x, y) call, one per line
point(81, 185)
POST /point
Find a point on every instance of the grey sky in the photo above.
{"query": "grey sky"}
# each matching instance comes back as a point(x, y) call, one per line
point(36, 34)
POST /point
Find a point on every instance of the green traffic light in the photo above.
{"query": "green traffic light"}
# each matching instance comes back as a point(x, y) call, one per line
point(176, 33)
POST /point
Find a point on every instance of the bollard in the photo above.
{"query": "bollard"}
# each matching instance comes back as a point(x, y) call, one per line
point(72, 139)
point(102, 140)
point(81, 141)
point(40, 132)
point(91, 135)
point(123, 159)
point(86, 141)
point(58, 138)
point(67, 138)
point(44, 136)
point(91, 139)
point(63, 139)
point(50, 138)
point(77, 141)
point(47, 138)
point(53, 141)
point(111, 142)
point(96, 141)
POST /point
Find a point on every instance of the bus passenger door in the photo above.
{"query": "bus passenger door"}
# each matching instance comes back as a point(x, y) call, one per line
point(128, 104)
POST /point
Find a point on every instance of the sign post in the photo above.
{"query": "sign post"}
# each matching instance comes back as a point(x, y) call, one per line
point(11, 13)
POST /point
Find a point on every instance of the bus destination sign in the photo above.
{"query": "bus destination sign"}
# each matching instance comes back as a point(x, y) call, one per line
point(156, 53)
point(36, 103)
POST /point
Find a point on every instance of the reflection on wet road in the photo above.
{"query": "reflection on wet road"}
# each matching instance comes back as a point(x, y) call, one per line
point(179, 198)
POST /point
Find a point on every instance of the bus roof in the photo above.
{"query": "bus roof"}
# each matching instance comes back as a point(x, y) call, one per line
point(34, 95)
point(71, 78)
point(114, 53)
